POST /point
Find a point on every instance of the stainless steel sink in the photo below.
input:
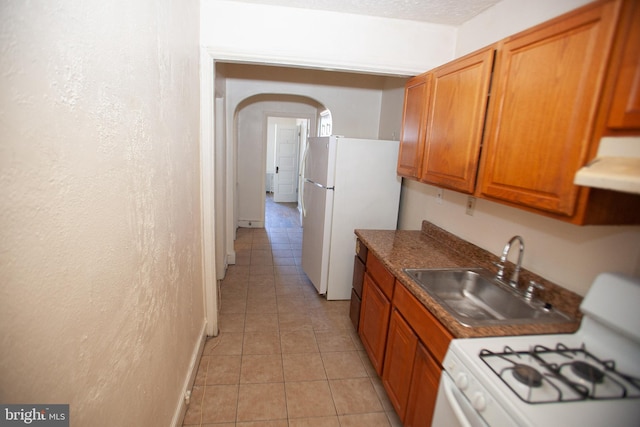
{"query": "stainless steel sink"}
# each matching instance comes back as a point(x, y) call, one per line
point(475, 298)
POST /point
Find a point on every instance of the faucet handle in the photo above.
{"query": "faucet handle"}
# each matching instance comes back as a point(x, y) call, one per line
point(500, 272)
point(533, 285)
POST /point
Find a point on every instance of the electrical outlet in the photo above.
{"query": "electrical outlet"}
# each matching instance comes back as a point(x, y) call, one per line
point(439, 196)
point(471, 205)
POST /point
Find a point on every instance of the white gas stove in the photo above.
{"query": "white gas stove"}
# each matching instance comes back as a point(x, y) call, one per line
point(588, 378)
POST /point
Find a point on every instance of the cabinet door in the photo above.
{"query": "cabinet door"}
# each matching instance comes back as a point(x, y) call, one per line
point(354, 309)
point(456, 121)
point(416, 94)
point(544, 98)
point(625, 109)
point(424, 390)
point(374, 322)
point(398, 362)
point(428, 329)
point(356, 291)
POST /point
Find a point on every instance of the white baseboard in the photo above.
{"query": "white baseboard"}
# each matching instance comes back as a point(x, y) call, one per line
point(181, 408)
point(250, 224)
point(231, 258)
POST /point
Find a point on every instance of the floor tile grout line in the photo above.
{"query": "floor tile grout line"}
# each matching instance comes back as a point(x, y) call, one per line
point(258, 242)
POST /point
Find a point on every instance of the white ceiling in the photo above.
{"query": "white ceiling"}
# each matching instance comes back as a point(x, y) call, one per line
point(446, 12)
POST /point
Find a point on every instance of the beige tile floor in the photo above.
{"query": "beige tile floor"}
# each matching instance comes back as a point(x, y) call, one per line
point(285, 356)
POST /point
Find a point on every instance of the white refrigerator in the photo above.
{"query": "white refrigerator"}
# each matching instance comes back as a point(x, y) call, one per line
point(348, 183)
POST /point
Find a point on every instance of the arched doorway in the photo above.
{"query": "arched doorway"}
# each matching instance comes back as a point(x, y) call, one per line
point(251, 136)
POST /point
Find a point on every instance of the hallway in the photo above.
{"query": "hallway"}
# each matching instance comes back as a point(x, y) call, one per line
point(285, 356)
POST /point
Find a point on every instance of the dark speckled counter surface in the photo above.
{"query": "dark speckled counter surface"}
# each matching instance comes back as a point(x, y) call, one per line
point(433, 247)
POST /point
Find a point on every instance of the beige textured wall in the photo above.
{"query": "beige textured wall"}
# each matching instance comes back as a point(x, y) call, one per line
point(101, 300)
point(323, 39)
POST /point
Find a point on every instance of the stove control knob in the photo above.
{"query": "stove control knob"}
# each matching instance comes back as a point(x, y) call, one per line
point(479, 402)
point(462, 381)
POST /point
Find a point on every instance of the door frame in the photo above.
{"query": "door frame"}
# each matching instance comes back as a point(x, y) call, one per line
point(265, 132)
point(208, 57)
point(207, 190)
point(296, 155)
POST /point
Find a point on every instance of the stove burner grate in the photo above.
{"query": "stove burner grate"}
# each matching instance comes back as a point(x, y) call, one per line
point(560, 375)
point(530, 385)
point(527, 375)
point(587, 372)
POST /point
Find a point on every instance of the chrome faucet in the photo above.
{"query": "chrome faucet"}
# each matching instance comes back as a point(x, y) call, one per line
point(503, 259)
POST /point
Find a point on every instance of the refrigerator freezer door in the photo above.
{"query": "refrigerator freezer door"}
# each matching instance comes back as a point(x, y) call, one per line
point(366, 195)
point(315, 239)
point(320, 161)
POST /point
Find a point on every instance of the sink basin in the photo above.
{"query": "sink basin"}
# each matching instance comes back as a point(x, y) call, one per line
point(475, 298)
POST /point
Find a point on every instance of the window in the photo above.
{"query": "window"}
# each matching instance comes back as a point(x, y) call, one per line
point(324, 129)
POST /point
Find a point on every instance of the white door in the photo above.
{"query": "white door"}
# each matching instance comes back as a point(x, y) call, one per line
point(285, 181)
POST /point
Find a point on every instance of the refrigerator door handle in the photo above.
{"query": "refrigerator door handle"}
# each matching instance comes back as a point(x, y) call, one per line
point(308, 181)
point(304, 179)
point(304, 210)
point(318, 185)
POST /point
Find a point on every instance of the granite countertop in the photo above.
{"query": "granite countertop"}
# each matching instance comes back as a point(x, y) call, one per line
point(433, 247)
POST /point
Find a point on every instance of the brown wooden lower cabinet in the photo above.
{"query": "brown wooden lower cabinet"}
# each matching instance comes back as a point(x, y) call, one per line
point(356, 291)
point(424, 389)
point(354, 309)
point(398, 365)
point(374, 321)
point(404, 341)
point(416, 345)
point(410, 375)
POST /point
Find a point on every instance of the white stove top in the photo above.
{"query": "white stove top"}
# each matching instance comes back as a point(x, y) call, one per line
point(593, 380)
point(536, 406)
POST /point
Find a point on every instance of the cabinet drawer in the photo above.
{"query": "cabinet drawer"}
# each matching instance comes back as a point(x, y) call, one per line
point(361, 251)
point(358, 276)
point(380, 275)
point(426, 326)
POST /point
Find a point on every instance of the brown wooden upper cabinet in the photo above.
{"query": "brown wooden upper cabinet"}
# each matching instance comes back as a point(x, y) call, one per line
point(416, 94)
point(625, 107)
point(456, 113)
point(544, 101)
point(555, 90)
point(443, 118)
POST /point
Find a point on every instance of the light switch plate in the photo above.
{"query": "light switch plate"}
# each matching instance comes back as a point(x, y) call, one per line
point(471, 205)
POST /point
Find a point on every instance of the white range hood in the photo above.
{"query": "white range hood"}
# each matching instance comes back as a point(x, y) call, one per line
point(616, 167)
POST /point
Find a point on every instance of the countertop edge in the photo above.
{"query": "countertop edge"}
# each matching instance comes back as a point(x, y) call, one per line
point(433, 247)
